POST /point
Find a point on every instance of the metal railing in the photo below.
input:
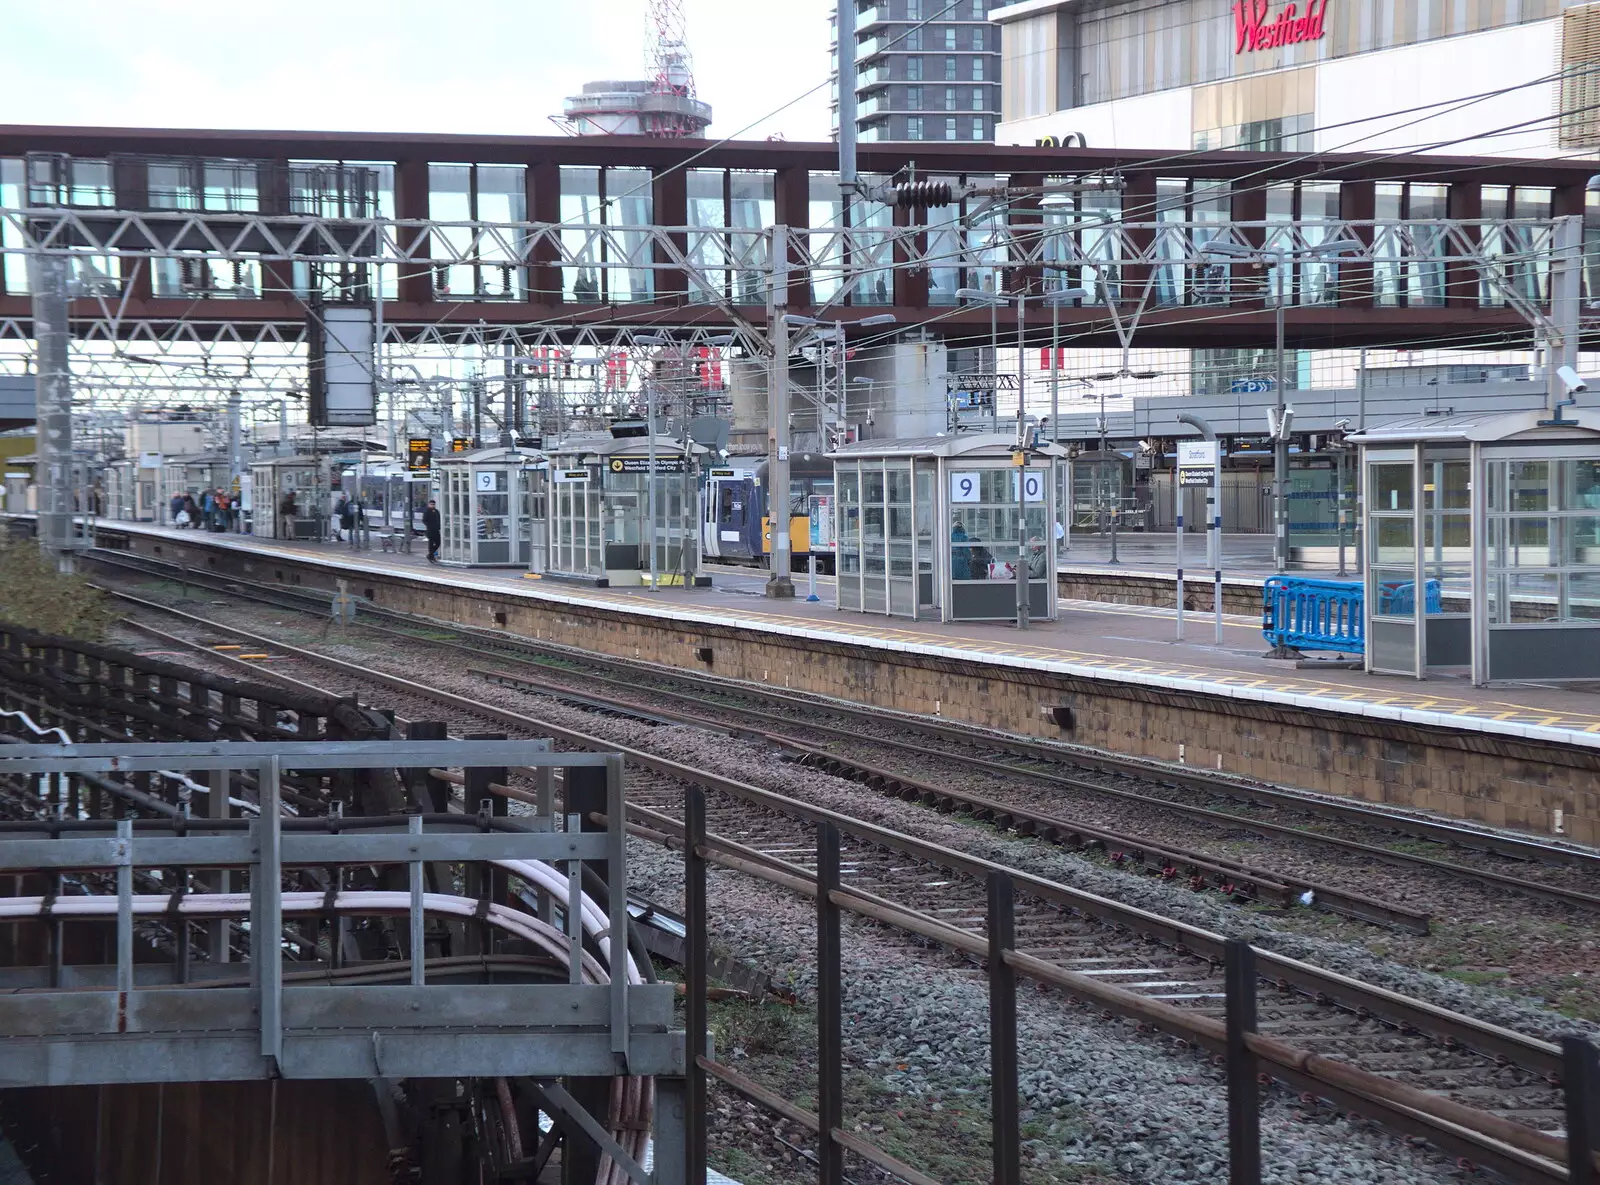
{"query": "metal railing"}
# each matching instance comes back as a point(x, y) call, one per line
point(1516, 1150)
point(596, 1023)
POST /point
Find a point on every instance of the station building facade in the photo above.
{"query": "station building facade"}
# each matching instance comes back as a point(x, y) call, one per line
point(1463, 77)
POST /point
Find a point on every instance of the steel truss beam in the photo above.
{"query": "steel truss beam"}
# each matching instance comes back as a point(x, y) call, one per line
point(824, 251)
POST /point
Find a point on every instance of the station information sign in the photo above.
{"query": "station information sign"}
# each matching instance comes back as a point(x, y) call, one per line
point(1197, 462)
point(642, 465)
point(419, 454)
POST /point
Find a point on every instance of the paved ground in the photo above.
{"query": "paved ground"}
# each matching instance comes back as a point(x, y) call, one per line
point(1121, 640)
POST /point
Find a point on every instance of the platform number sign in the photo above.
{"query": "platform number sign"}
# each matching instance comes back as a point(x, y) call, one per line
point(1032, 488)
point(964, 487)
point(486, 481)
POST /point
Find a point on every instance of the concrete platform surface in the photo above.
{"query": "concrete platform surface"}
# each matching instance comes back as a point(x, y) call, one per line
point(1122, 643)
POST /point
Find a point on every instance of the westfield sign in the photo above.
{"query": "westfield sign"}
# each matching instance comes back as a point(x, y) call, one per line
point(1252, 30)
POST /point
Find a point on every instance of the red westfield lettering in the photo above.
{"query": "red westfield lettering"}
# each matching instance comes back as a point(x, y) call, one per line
point(1253, 30)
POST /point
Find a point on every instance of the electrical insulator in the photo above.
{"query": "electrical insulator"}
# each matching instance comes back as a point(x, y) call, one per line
point(922, 195)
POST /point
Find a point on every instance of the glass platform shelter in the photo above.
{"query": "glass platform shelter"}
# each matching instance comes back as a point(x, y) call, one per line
point(927, 528)
point(1496, 519)
point(290, 498)
point(599, 510)
point(489, 506)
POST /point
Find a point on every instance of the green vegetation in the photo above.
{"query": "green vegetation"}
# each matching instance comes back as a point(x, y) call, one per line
point(37, 597)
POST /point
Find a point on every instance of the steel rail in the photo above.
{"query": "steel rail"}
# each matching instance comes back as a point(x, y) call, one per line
point(1507, 1145)
point(1482, 1036)
point(1263, 884)
point(1526, 1156)
point(1449, 834)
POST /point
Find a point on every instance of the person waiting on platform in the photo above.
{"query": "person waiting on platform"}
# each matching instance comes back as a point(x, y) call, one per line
point(430, 524)
point(960, 555)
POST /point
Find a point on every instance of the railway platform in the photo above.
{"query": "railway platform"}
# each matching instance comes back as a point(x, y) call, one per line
point(1112, 676)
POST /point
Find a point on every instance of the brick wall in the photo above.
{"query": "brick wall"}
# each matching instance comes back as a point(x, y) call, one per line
point(1144, 588)
point(1495, 779)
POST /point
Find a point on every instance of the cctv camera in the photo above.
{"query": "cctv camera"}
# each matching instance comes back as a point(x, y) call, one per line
point(1571, 380)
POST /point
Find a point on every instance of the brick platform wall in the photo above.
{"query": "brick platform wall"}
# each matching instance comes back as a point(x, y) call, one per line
point(1143, 588)
point(1499, 780)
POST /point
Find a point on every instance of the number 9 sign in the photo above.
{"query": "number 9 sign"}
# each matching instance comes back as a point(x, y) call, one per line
point(964, 487)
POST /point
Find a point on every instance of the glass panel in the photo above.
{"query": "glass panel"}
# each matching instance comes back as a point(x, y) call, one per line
point(1581, 540)
point(1396, 592)
point(1528, 485)
point(1583, 596)
point(1451, 533)
point(1445, 485)
point(1394, 540)
point(580, 204)
point(13, 265)
point(1391, 486)
point(1523, 543)
point(751, 210)
point(450, 200)
point(944, 249)
point(1580, 484)
point(707, 251)
point(1528, 597)
point(630, 202)
point(827, 247)
point(502, 199)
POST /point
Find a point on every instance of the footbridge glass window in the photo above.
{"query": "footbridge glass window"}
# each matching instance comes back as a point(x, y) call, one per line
point(1302, 214)
point(13, 264)
point(495, 194)
point(630, 204)
point(339, 189)
point(708, 242)
point(731, 210)
point(751, 209)
point(1191, 213)
point(581, 281)
point(1408, 245)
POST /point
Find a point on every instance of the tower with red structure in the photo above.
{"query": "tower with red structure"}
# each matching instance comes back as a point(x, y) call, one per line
point(663, 105)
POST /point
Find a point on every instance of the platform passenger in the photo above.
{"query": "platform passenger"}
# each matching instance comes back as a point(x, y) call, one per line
point(960, 556)
point(431, 525)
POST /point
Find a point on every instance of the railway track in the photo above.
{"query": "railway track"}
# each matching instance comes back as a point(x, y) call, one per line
point(1400, 1038)
point(1026, 779)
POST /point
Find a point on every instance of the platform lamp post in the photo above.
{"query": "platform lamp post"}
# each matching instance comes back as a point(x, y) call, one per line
point(1281, 417)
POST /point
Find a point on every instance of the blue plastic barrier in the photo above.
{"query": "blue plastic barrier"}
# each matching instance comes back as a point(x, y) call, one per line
point(1312, 614)
point(1398, 598)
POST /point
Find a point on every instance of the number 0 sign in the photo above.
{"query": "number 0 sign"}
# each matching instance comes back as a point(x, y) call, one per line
point(1033, 491)
point(963, 487)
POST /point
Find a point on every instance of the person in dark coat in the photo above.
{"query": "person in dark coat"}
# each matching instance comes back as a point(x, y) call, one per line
point(434, 529)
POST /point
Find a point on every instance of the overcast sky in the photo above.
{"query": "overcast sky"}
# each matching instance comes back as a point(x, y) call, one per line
point(396, 65)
